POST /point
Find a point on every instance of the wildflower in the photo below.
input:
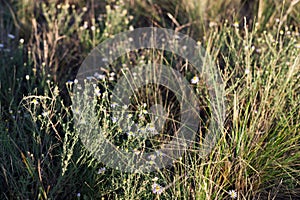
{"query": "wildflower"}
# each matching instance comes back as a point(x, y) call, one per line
point(93, 28)
point(232, 194)
point(35, 101)
point(247, 71)
point(235, 24)
point(151, 127)
point(155, 179)
point(27, 77)
point(152, 157)
point(1, 46)
point(131, 28)
point(99, 76)
point(136, 151)
point(141, 130)
point(195, 80)
point(45, 114)
point(97, 92)
point(159, 153)
point(78, 194)
point(114, 119)
point(104, 59)
point(85, 24)
point(297, 46)
point(130, 134)
point(101, 170)
point(76, 111)
point(114, 104)
point(157, 189)
point(281, 32)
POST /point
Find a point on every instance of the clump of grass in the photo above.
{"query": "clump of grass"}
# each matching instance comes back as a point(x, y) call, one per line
point(257, 156)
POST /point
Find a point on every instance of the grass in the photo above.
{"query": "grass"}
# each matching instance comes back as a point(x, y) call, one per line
point(42, 155)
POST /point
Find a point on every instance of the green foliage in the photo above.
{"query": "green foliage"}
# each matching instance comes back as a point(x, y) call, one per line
point(41, 153)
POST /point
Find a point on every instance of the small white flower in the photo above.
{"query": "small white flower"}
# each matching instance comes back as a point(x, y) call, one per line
point(101, 170)
point(114, 119)
point(235, 24)
point(93, 28)
point(195, 80)
point(130, 134)
point(155, 179)
point(35, 101)
point(157, 189)
point(97, 91)
point(27, 77)
point(232, 194)
point(111, 78)
point(105, 59)
point(78, 194)
point(85, 25)
point(136, 151)
point(11, 36)
point(114, 104)
point(151, 127)
point(1, 46)
point(45, 114)
point(21, 40)
point(152, 157)
point(99, 76)
point(247, 71)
